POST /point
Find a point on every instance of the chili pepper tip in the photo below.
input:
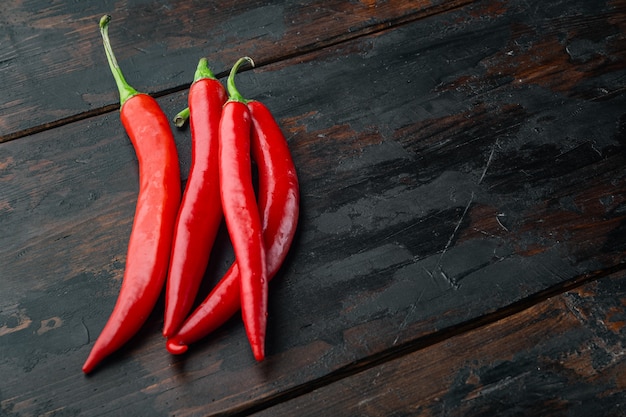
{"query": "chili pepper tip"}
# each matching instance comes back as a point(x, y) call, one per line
point(259, 355)
point(176, 347)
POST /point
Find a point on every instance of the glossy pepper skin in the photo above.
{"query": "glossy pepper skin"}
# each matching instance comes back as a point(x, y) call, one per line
point(155, 214)
point(200, 212)
point(243, 220)
point(279, 205)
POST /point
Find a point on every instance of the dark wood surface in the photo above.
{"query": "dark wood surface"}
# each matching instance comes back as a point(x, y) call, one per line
point(461, 250)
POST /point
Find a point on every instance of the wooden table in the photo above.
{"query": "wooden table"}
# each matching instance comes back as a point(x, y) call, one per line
point(461, 250)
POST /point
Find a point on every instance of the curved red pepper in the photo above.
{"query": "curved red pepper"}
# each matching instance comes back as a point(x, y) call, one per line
point(157, 204)
point(200, 213)
point(242, 215)
point(279, 205)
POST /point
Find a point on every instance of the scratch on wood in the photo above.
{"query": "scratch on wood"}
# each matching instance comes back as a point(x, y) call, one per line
point(458, 225)
point(409, 313)
point(403, 230)
point(500, 223)
point(430, 274)
point(449, 280)
point(493, 150)
point(438, 266)
point(456, 228)
point(82, 321)
point(498, 386)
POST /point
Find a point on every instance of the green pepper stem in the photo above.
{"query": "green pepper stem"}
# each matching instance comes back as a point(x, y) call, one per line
point(181, 117)
point(126, 91)
point(203, 70)
point(233, 93)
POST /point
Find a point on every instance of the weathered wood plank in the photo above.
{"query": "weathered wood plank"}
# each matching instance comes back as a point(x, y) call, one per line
point(440, 182)
point(565, 356)
point(53, 69)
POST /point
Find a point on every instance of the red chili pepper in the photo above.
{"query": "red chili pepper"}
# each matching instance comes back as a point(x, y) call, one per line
point(279, 201)
point(242, 214)
point(200, 213)
point(157, 204)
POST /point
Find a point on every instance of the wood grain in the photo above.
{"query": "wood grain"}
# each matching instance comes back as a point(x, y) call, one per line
point(564, 356)
point(451, 167)
point(54, 71)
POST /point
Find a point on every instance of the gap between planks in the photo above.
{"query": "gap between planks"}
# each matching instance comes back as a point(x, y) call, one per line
point(387, 25)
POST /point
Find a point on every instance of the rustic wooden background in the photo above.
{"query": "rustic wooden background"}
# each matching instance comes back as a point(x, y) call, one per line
point(461, 250)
